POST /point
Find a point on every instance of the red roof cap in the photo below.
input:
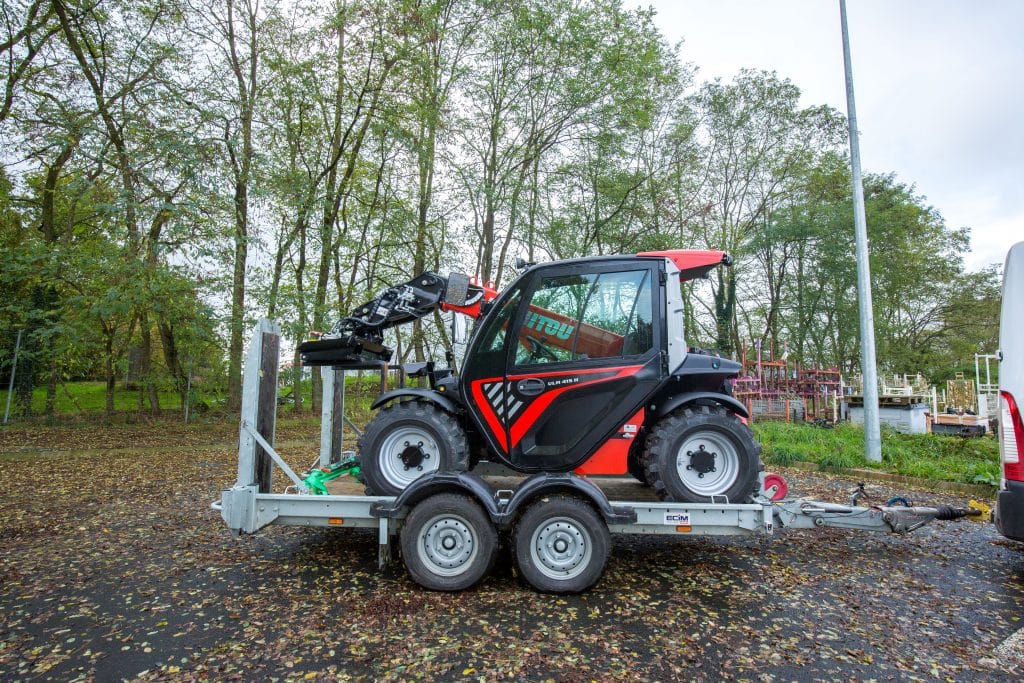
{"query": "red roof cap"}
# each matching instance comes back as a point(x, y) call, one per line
point(692, 263)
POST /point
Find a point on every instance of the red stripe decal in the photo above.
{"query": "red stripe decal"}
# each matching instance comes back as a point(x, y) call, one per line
point(485, 409)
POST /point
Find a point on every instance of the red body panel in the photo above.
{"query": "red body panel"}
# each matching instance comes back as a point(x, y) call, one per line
point(611, 457)
point(540, 403)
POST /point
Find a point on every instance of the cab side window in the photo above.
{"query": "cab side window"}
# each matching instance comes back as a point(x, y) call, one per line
point(494, 336)
point(583, 316)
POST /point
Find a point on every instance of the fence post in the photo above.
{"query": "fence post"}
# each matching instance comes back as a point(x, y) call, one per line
point(10, 385)
point(259, 405)
point(332, 415)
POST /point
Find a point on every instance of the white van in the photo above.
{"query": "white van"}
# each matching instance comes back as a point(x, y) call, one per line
point(1010, 505)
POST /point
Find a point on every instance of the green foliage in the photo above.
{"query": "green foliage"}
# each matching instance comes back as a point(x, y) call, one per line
point(90, 397)
point(929, 456)
point(188, 167)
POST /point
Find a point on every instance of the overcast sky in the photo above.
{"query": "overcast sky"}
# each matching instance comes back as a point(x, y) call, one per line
point(938, 85)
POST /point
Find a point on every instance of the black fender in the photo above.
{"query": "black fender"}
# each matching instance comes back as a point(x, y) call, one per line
point(670, 403)
point(547, 483)
point(465, 483)
point(413, 393)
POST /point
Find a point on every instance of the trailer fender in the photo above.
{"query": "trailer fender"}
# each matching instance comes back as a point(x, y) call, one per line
point(728, 402)
point(546, 484)
point(416, 394)
point(465, 483)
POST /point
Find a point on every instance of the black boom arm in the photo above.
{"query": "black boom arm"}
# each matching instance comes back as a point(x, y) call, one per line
point(359, 337)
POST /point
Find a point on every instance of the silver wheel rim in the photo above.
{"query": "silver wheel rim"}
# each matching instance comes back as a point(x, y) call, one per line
point(561, 548)
point(448, 545)
point(394, 468)
point(700, 448)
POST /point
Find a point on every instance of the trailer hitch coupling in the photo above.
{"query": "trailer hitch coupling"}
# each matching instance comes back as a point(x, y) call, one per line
point(903, 520)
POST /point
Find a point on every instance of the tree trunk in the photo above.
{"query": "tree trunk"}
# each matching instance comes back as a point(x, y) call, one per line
point(297, 377)
point(172, 358)
point(51, 391)
point(242, 166)
point(111, 379)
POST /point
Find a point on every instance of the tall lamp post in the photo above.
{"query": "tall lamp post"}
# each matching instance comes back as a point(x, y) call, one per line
point(869, 370)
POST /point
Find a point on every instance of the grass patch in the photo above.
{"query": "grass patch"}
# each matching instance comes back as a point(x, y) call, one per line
point(90, 397)
point(946, 458)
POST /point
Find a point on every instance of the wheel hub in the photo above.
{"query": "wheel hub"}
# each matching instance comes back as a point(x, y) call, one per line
point(407, 453)
point(707, 463)
point(561, 548)
point(448, 545)
point(702, 461)
point(413, 455)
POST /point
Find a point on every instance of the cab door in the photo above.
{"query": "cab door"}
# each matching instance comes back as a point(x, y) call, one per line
point(585, 357)
point(482, 380)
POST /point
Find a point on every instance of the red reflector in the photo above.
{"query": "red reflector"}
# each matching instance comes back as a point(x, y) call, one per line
point(335, 520)
point(1011, 437)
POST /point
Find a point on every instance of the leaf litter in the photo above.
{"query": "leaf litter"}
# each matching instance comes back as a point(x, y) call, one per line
point(113, 566)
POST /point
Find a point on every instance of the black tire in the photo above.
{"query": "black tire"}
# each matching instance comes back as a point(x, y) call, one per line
point(404, 441)
point(448, 542)
point(561, 545)
point(718, 440)
point(635, 466)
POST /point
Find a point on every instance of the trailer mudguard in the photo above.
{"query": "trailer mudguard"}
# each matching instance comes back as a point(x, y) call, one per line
point(728, 402)
point(466, 483)
point(549, 483)
point(414, 393)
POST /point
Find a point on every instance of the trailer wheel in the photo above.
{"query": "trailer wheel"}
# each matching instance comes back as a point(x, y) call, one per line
point(405, 441)
point(561, 545)
point(699, 452)
point(448, 542)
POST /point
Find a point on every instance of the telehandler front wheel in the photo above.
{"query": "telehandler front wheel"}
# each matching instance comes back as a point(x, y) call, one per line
point(405, 441)
point(703, 454)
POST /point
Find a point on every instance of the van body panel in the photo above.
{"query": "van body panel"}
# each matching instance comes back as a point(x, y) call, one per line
point(1009, 514)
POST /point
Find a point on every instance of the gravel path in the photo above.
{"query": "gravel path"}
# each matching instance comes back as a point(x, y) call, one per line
point(113, 566)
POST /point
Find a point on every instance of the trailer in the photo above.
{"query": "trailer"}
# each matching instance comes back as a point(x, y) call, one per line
point(447, 524)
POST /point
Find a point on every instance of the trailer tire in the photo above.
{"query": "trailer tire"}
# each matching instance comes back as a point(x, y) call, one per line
point(448, 542)
point(561, 545)
point(407, 440)
point(725, 450)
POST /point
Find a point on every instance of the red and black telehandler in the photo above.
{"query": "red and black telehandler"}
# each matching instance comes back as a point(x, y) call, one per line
point(577, 366)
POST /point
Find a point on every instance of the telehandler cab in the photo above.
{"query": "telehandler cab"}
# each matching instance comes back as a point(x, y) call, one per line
point(577, 366)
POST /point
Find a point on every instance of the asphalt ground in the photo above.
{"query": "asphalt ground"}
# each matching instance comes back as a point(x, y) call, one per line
point(113, 566)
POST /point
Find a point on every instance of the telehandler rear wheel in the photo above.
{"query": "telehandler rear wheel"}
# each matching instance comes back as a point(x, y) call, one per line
point(635, 467)
point(700, 454)
point(405, 441)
